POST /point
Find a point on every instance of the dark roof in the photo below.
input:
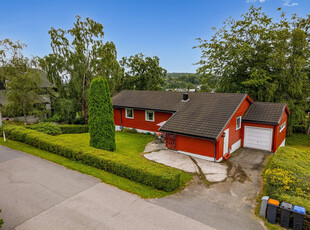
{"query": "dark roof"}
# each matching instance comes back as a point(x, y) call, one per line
point(204, 115)
point(265, 112)
point(155, 100)
point(45, 82)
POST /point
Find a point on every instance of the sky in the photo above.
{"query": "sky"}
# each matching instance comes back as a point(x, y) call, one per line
point(164, 28)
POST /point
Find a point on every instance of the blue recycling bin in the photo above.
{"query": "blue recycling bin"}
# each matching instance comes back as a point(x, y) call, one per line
point(299, 214)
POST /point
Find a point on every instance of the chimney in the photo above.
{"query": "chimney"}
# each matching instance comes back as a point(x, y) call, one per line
point(185, 97)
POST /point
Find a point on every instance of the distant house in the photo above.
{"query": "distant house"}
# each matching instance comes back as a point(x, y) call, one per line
point(45, 97)
point(205, 125)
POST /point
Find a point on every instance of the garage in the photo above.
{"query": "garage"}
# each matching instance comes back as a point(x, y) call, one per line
point(258, 138)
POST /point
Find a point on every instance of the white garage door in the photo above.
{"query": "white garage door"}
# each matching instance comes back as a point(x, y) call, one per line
point(258, 138)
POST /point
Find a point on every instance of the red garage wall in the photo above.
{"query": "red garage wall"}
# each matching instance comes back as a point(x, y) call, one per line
point(195, 145)
point(139, 122)
point(280, 136)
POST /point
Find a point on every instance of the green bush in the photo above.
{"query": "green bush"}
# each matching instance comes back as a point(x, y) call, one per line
point(287, 176)
point(101, 121)
point(48, 128)
point(67, 129)
point(300, 129)
point(135, 169)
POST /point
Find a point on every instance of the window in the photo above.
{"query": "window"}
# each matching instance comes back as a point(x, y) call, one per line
point(129, 113)
point(238, 123)
point(282, 127)
point(149, 116)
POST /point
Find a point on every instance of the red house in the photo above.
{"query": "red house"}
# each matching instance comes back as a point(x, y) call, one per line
point(204, 125)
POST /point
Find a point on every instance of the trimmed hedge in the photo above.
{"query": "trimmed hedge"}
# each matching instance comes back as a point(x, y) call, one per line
point(68, 129)
point(135, 169)
point(47, 127)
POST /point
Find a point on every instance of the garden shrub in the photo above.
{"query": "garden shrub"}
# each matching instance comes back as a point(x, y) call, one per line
point(67, 129)
point(287, 176)
point(135, 169)
point(101, 121)
point(300, 129)
point(48, 128)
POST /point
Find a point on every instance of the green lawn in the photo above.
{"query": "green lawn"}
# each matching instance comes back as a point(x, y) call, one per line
point(287, 174)
point(130, 144)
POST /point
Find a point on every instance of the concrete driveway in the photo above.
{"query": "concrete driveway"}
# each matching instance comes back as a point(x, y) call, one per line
point(38, 194)
point(228, 204)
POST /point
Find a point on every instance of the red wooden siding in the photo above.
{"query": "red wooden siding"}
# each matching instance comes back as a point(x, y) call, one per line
point(195, 145)
point(139, 122)
point(280, 136)
point(234, 135)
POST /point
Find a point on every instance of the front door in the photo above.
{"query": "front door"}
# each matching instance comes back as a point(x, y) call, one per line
point(171, 141)
point(225, 147)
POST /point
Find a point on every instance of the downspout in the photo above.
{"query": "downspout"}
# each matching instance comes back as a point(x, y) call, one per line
point(121, 119)
point(214, 143)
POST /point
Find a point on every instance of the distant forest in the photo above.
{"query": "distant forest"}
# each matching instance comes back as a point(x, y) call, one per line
point(182, 81)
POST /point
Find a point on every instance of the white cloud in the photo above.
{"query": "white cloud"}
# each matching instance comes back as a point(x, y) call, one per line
point(289, 3)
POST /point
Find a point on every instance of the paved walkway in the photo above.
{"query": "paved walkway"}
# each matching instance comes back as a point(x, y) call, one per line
point(227, 204)
point(38, 194)
point(214, 172)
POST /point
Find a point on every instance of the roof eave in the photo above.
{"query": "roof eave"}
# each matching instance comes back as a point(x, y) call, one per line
point(142, 108)
point(260, 122)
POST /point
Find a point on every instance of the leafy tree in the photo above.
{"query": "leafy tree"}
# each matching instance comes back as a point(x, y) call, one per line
point(79, 55)
point(142, 73)
point(182, 80)
point(66, 109)
point(23, 83)
point(268, 59)
point(101, 122)
point(190, 86)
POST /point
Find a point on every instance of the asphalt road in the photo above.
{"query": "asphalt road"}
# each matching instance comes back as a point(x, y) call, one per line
point(38, 194)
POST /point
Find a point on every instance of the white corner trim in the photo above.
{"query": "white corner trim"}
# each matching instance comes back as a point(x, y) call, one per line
point(235, 146)
point(283, 143)
point(200, 156)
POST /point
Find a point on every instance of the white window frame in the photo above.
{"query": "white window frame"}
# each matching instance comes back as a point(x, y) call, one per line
point(146, 117)
point(237, 122)
point(126, 113)
point(282, 127)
